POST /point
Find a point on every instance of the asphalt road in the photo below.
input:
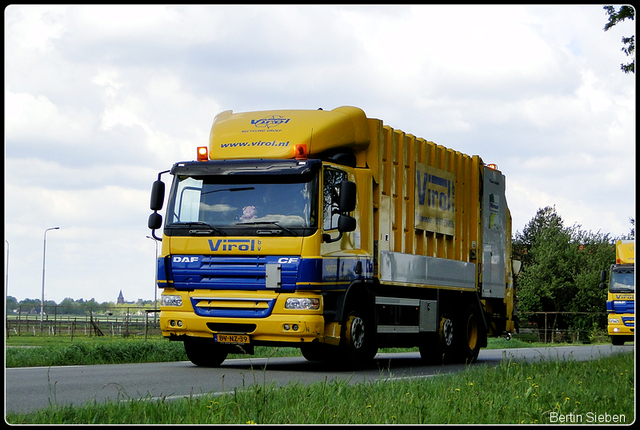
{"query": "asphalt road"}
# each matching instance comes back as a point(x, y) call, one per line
point(32, 388)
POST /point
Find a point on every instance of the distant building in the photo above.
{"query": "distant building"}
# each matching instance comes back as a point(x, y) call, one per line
point(120, 300)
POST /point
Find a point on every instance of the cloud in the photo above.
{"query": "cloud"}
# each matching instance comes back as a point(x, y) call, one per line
point(99, 99)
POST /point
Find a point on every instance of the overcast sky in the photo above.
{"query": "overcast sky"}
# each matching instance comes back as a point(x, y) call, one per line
point(99, 99)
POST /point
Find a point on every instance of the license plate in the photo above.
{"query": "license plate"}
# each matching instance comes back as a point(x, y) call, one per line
point(232, 338)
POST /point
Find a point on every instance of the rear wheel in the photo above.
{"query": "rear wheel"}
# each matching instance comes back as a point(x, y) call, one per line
point(470, 336)
point(458, 339)
point(438, 348)
point(205, 352)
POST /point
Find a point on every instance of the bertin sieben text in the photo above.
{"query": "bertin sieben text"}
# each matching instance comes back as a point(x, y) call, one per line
point(587, 418)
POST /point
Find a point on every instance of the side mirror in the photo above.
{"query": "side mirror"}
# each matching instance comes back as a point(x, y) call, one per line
point(347, 196)
point(516, 265)
point(157, 195)
point(346, 223)
point(155, 221)
point(603, 278)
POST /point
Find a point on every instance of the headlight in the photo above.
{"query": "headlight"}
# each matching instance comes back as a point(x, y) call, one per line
point(171, 301)
point(303, 304)
point(614, 321)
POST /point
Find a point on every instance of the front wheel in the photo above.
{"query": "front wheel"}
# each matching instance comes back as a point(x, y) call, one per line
point(318, 352)
point(205, 352)
point(358, 337)
point(620, 340)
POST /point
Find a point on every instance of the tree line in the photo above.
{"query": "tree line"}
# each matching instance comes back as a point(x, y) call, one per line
point(68, 306)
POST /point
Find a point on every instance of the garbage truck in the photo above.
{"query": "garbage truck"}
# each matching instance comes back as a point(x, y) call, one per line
point(621, 293)
point(331, 232)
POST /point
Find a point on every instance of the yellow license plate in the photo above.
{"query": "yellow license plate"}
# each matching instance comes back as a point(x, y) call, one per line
point(232, 338)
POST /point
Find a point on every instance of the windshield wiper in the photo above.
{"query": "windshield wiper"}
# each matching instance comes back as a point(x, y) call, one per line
point(269, 223)
point(207, 229)
point(230, 189)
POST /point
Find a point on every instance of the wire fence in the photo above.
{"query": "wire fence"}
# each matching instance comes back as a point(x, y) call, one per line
point(88, 322)
point(144, 321)
point(552, 327)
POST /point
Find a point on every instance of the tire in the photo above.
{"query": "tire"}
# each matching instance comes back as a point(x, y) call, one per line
point(431, 349)
point(204, 353)
point(357, 338)
point(470, 335)
point(458, 340)
point(318, 352)
point(617, 340)
point(438, 348)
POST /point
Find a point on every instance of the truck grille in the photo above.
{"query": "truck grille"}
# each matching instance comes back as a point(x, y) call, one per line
point(228, 273)
point(233, 307)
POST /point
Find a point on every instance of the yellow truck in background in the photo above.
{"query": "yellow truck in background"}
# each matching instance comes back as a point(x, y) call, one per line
point(621, 294)
point(334, 233)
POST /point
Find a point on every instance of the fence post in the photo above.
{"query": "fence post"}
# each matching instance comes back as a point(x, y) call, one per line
point(127, 319)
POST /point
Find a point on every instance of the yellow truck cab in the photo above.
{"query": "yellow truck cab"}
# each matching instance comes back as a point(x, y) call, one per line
point(621, 294)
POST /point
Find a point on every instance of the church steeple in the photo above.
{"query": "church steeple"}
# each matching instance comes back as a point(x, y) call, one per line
point(120, 300)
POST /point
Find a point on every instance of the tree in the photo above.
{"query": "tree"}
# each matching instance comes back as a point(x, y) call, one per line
point(596, 252)
point(545, 280)
point(11, 304)
point(632, 232)
point(560, 271)
point(625, 12)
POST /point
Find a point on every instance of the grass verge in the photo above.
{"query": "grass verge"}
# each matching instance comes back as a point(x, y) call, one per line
point(514, 392)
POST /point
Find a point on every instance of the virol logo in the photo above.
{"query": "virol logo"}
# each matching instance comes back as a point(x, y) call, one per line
point(270, 121)
point(435, 200)
point(238, 245)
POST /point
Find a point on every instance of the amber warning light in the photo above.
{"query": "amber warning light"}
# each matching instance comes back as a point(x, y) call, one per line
point(203, 153)
point(492, 166)
point(300, 152)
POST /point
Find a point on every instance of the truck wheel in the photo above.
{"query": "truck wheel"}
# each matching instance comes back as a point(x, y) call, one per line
point(617, 340)
point(318, 352)
point(357, 337)
point(431, 350)
point(470, 335)
point(438, 348)
point(204, 353)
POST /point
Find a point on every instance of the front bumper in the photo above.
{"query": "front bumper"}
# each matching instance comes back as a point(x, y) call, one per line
point(229, 313)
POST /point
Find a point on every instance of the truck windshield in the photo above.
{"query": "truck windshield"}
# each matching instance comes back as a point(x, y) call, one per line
point(622, 281)
point(242, 205)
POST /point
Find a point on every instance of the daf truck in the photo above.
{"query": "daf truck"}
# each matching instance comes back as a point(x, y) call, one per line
point(621, 294)
point(333, 233)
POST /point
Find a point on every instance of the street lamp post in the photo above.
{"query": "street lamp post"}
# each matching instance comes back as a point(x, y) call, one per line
point(44, 254)
point(6, 284)
point(155, 284)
